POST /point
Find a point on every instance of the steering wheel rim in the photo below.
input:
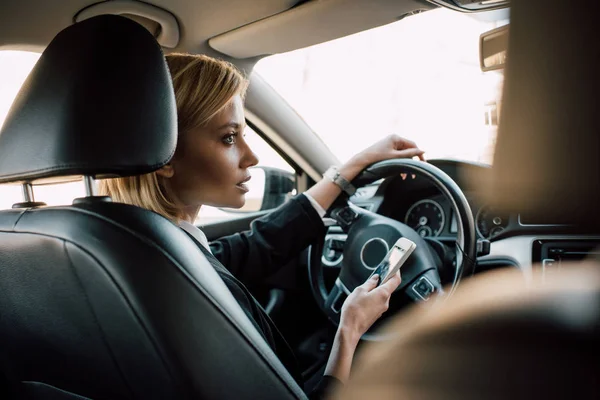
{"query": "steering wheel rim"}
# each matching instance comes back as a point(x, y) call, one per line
point(466, 237)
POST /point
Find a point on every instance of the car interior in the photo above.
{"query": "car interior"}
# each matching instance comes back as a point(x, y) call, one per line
point(105, 300)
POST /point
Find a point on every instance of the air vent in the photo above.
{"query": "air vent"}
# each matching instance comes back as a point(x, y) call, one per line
point(494, 264)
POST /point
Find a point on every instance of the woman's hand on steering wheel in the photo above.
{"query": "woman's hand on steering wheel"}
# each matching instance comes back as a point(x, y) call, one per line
point(365, 305)
point(392, 146)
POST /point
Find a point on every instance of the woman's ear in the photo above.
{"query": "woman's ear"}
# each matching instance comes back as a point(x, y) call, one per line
point(166, 171)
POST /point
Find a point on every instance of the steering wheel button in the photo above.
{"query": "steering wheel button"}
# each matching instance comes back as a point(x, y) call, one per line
point(345, 216)
point(337, 244)
point(423, 288)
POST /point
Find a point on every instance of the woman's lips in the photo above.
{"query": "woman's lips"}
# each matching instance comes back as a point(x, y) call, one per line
point(242, 185)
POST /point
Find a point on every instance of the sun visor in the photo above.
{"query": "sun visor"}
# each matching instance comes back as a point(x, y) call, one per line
point(311, 23)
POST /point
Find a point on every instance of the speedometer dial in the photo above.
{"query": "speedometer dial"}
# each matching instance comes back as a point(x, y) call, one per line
point(426, 217)
point(489, 223)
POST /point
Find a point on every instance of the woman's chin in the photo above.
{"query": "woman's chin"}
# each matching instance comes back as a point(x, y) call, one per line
point(238, 203)
point(230, 200)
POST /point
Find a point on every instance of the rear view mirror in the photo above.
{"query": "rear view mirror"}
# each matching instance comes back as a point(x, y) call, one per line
point(492, 48)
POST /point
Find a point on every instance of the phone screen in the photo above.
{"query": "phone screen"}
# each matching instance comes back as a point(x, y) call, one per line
point(389, 262)
point(396, 255)
point(393, 260)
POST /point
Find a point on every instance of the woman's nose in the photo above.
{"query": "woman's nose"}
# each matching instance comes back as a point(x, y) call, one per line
point(249, 159)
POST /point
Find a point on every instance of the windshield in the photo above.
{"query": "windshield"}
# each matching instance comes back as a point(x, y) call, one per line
point(419, 78)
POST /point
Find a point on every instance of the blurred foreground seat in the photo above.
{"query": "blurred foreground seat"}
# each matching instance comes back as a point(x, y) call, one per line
point(496, 338)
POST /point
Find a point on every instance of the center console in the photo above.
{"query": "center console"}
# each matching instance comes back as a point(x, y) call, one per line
point(552, 254)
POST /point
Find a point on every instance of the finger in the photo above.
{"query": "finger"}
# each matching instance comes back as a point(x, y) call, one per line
point(409, 153)
point(422, 157)
point(392, 283)
point(371, 283)
point(408, 144)
point(388, 288)
point(401, 144)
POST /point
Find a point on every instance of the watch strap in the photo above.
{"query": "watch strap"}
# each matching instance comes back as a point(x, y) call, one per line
point(336, 177)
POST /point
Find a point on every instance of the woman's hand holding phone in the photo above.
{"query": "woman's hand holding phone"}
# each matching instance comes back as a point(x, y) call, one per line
point(360, 310)
point(365, 305)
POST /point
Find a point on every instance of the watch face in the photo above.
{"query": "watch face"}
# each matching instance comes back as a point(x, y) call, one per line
point(337, 178)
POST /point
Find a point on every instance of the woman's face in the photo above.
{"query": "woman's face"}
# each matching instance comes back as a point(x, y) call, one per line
point(211, 163)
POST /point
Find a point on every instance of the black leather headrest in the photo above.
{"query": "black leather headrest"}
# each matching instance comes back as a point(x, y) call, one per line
point(99, 102)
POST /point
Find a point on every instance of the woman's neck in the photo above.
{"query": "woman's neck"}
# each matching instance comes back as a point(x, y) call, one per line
point(190, 214)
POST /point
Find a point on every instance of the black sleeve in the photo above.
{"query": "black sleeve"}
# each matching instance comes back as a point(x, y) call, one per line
point(326, 387)
point(272, 241)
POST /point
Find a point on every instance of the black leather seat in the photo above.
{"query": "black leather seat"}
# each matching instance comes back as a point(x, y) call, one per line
point(99, 299)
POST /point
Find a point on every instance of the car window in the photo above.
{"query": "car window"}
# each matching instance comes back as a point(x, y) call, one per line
point(419, 77)
point(14, 68)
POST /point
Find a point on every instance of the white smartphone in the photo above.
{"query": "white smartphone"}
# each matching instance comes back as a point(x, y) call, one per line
point(394, 259)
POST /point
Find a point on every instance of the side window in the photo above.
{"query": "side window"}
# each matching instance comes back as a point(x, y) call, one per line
point(53, 195)
point(273, 182)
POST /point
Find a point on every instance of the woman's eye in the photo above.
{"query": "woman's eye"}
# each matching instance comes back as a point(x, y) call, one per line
point(229, 139)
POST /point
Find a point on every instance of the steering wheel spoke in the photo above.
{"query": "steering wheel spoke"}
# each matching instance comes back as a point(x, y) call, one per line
point(335, 299)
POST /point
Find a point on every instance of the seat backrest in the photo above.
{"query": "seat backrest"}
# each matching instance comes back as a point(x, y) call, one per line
point(100, 299)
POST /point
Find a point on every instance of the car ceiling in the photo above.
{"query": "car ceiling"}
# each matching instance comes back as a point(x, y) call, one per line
point(31, 24)
point(40, 20)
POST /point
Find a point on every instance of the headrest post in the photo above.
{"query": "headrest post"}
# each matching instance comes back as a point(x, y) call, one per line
point(90, 186)
point(27, 193)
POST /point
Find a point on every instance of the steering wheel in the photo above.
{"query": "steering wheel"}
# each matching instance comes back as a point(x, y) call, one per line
point(370, 235)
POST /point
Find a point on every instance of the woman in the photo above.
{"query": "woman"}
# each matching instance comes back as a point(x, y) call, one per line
point(210, 167)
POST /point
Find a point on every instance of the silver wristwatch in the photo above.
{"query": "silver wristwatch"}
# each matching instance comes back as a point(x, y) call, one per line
point(334, 174)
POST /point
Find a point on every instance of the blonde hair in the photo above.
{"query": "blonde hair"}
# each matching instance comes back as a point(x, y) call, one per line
point(203, 87)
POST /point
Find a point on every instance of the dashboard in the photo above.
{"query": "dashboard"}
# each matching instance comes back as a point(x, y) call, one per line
point(430, 213)
point(514, 240)
point(416, 202)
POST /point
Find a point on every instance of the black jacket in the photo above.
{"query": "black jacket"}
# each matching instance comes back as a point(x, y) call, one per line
point(248, 258)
